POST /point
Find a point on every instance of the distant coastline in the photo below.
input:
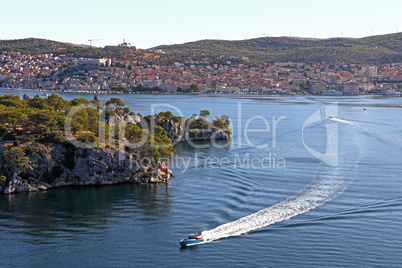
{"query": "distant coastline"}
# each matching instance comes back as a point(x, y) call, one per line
point(108, 92)
point(66, 73)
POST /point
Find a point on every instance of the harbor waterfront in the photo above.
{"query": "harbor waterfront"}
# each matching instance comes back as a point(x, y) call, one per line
point(297, 206)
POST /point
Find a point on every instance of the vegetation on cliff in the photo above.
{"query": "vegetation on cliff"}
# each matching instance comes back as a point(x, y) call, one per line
point(32, 127)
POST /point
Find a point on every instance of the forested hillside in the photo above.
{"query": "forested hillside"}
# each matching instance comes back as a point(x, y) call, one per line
point(372, 50)
point(375, 50)
point(41, 46)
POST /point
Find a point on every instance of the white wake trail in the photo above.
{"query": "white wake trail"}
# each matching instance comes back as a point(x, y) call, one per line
point(308, 199)
point(330, 184)
point(343, 121)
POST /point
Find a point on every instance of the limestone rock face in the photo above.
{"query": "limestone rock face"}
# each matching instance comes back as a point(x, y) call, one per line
point(177, 133)
point(174, 130)
point(56, 166)
point(13, 185)
point(124, 119)
point(25, 187)
point(48, 169)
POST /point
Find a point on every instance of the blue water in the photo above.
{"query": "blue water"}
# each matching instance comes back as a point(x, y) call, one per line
point(309, 213)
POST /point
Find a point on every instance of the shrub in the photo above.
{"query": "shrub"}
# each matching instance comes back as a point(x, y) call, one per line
point(201, 123)
point(222, 121)
point(115, 102)
point(87, 137)
point(29, 149)
point(3, 179)
point(29, 138)
point(9, 136)
point(228, 131)
point(179, 119)
point(204, 113)
point(133, 132)
point(16, 143)
point(3, 130)
point(15, 157)
point(194, 132)
point(57, 138)
point(167, 115)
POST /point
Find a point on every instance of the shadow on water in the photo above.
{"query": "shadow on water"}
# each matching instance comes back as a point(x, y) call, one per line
point(191, 248)
point(82, 209)
point(203, 146)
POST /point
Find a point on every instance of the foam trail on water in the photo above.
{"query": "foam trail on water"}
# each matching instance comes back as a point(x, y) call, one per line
point(309, 198)
point(343, 121)
point(379, 134)
point(331, 183)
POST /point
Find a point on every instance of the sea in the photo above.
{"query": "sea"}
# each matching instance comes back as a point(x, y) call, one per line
point(305, 181)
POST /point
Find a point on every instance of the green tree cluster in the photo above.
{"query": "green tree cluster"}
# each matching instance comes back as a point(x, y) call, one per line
point(222, 121)
point(45, 118)
point(15, 158)
point(36, 115)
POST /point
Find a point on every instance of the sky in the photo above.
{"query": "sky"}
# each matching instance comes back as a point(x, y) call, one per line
point(149, 23)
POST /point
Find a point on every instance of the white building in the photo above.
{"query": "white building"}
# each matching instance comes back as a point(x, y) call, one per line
point(369, 71)
point(95, 62)
point(289, 64)
point(227, 90)
point(351, 88)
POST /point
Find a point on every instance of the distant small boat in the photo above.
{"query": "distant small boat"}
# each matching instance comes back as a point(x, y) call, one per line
point(193, 239)
point(330, 117)
point(365, 109)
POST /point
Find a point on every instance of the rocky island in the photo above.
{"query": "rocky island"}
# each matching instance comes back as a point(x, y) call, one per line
point(51, 142)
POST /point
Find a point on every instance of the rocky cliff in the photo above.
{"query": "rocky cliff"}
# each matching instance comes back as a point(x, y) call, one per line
point(56, 166)
point(53, 165)
point(176, 131)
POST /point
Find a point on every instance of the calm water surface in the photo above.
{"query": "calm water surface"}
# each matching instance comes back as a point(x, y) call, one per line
point(347, 215)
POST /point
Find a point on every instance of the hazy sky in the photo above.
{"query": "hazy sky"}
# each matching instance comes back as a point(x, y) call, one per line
point(149, 23)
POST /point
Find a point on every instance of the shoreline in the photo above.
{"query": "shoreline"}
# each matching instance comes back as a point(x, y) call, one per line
point(38, 152)
point(92, 167)
point(92, 92)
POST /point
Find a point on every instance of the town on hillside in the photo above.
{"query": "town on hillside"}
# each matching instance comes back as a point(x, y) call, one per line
point(71, 74)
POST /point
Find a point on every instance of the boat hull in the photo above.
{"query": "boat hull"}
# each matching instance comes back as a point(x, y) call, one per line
point(191, 242)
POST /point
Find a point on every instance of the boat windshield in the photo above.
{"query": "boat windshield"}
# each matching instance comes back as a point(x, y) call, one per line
point(194, 236)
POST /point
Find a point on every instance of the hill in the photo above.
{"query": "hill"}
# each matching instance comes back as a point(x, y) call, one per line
point(374, 50)
point(42, 46)
point(371, 50)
